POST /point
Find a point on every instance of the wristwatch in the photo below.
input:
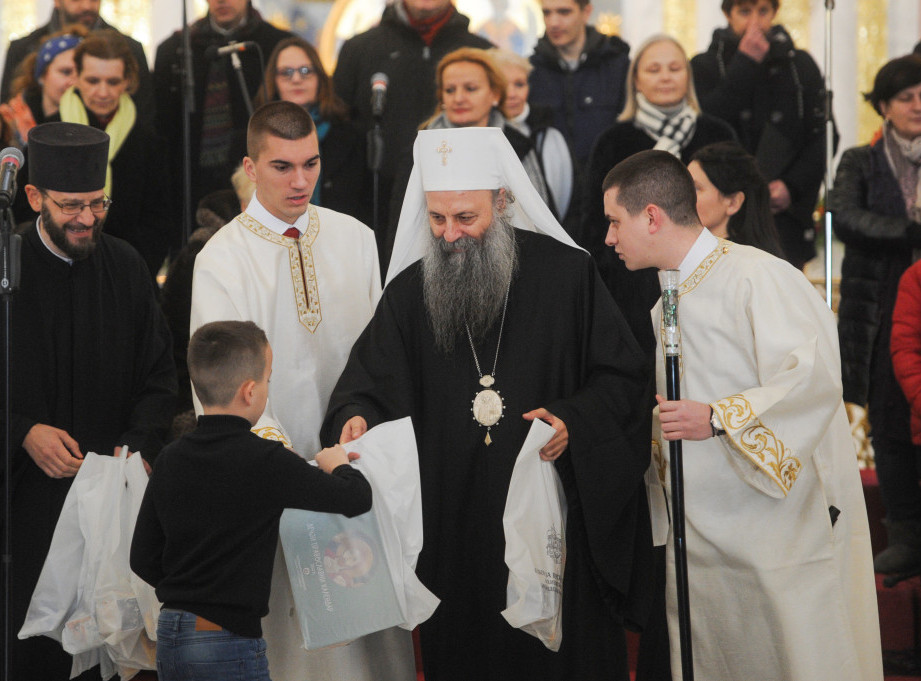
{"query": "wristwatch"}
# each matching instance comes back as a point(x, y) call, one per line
point(715, 424)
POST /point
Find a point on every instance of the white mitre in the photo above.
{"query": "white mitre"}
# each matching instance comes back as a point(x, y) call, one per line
point(465, 159)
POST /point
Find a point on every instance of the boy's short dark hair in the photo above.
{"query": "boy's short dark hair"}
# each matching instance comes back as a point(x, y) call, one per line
point(729, 4)
point(286, 120)
point(654, 177)
point(224, 355)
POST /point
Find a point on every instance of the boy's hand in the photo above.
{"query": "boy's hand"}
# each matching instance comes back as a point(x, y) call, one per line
point(331, 458)
point(754, 43)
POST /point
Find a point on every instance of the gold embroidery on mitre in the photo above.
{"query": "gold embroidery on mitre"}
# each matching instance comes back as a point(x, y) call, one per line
point(703, 269)
point(274, 434)
point(306, 287)
point(660, 462)
point(757, 441)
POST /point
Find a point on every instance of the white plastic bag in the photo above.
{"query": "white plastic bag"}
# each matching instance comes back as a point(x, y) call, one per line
point(86, 596)
point(354, 576)
point(535, 542)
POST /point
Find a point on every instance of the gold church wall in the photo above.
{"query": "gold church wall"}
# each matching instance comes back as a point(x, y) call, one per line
point(868, 51)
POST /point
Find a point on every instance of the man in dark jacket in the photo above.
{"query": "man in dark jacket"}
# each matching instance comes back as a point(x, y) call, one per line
point(220, 118)
point(84, 12)
point(754, 78)
point(579, 73)
point(406, 46)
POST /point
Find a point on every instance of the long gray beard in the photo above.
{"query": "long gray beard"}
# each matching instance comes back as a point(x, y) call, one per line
point(469, 286)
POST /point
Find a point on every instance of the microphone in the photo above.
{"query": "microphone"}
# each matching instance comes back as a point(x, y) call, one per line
point(379, 82)
point(215, 51)
point(11, 160)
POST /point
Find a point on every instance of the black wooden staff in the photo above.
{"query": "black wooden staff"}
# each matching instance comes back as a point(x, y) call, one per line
point(669, 282)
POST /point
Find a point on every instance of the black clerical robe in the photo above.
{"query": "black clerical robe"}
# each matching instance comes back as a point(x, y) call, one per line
point(564, 347)
point(91, 355)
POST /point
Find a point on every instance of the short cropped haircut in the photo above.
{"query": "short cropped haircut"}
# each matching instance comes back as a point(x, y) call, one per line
point(224, 355)
point(895, 76)
point(729, 4)
point(658, 178)
point(286, 120)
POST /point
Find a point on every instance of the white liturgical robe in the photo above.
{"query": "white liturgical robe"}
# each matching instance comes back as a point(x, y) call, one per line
point(779, 591)
point(313, 296)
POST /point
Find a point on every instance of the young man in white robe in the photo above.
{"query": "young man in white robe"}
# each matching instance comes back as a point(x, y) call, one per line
point(309, 276)
point(778, 547)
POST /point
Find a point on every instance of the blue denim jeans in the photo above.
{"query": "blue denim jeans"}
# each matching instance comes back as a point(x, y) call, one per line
point(184, 654)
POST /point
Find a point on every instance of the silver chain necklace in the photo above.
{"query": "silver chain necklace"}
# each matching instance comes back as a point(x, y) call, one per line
point(488, 405)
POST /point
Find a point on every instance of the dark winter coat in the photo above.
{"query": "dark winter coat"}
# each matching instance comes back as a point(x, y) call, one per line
point(870, 218)
point(777, 110)
point(585, 101)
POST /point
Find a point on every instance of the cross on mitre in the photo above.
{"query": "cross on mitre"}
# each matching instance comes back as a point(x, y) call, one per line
point(444, 150)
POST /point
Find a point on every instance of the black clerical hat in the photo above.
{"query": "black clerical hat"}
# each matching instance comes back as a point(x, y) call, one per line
point(68, 157)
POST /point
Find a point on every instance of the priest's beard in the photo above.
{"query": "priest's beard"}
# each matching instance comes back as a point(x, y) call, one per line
point(469, 286)
point(58, 235)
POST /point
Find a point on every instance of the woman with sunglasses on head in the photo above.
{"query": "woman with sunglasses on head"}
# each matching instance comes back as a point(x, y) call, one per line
point(294, 73)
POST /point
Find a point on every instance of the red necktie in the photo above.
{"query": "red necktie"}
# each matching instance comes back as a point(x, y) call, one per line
point(294, 233)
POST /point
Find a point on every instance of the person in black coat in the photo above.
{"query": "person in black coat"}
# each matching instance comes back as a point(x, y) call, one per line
point(875, 200)
point(773, 95)
point(218, 125)
point(661, 113)
point(405, 46)
point(76, 12)
point(295, 73)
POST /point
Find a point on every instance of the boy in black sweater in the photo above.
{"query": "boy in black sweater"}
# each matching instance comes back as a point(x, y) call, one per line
point(208, 525)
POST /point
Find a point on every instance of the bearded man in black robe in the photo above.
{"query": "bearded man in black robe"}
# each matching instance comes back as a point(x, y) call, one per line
point(503, 301)
point(92, 366)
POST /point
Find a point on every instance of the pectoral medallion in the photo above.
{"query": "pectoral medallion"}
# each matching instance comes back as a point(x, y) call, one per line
point(488, 405)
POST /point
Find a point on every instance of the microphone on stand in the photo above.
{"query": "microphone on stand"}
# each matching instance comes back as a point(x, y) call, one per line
point(214, 51)
point(11, 160)
point(379, 83)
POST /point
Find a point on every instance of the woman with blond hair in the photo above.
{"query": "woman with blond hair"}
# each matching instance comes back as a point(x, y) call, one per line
point(661, 112)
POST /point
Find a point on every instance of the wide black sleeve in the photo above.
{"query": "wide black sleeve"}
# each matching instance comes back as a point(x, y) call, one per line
point(346, 77)
point(609, 420)
point(146, 556)
point(376, 382)
point(154, 375)
point(298, 484)
point(853, 222)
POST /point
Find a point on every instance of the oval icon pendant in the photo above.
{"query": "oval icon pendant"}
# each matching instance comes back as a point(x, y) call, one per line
point(488, 407)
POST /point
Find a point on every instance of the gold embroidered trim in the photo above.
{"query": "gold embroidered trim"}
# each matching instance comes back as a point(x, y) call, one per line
point(757, 441)
point(659, 461)
point(272, 433)
point(703, 269)
point(306, 287)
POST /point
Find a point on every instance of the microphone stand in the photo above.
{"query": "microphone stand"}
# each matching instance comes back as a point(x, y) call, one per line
point(375, 158)
point(669, 282)
point(829, 148)
point(9, 282)
point(238, 68)
point(188, 108)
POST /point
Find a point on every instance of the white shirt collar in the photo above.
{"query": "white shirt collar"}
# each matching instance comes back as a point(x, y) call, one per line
point(702, 247)
point(38, 227)
point(261, 215)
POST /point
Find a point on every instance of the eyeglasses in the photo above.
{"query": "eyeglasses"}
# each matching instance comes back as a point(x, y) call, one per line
point(289, 72)
point(98, 206)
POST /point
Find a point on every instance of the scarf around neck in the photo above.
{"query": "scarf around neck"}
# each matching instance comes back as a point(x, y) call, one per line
point(73, 110)
point(671, 129)
point(904, 158)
